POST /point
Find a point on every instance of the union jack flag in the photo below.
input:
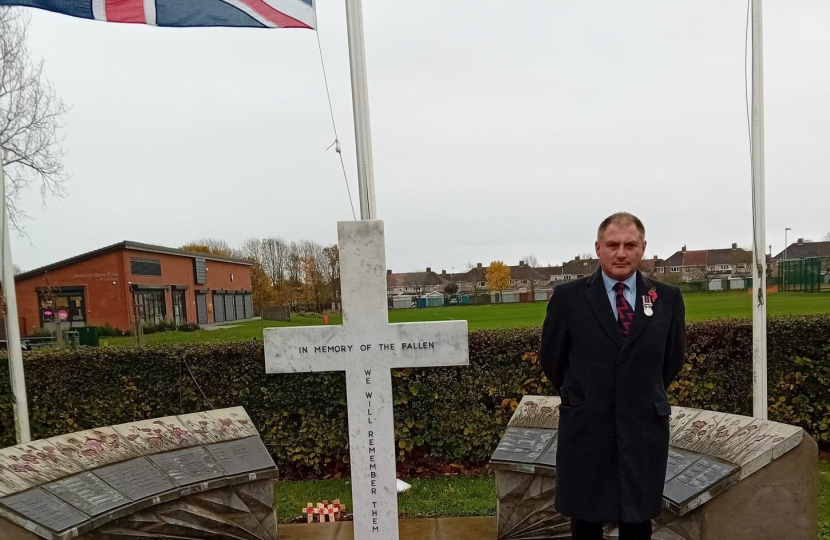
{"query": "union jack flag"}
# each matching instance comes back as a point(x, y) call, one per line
point(182, 13)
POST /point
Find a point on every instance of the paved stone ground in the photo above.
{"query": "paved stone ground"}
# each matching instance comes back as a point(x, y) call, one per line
point(477, 528)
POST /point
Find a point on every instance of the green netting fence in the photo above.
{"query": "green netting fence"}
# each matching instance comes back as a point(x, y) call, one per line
point(804, 275)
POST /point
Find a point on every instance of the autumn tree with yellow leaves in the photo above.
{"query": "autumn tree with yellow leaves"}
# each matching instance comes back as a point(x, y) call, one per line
point(498, 277)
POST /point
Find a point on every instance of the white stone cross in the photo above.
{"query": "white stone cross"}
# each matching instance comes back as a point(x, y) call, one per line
point(366, 347)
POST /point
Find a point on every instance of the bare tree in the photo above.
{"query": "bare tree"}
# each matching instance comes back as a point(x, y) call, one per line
point(826, 237)
point(532, 263)
point(30, 118)
point(275, 259)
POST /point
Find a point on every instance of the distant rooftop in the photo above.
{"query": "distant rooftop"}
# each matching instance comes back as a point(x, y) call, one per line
point(126, 244)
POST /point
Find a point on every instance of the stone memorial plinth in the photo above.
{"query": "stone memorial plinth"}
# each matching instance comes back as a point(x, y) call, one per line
point(728, 476)
point(198, 476)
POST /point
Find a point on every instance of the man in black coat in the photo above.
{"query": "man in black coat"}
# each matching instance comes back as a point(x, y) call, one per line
point(612, 343)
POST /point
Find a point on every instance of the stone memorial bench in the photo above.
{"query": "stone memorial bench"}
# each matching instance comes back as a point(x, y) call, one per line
point(728, 477)
point(202, 475)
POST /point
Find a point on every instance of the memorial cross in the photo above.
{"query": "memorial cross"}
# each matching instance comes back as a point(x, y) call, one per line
point(367, 347)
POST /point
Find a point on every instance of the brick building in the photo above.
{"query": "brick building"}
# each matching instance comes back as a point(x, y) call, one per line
point(118, 283)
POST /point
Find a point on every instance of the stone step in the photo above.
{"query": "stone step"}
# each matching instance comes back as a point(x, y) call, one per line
point(476, 528)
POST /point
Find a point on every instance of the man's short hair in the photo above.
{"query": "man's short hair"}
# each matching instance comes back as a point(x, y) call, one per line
point(621, 218)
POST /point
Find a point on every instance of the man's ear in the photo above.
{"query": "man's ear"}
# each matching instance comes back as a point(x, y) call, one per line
point(596, 247)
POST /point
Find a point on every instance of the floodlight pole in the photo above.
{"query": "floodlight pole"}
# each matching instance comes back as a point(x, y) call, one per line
point(13, 347)
point(360, 105)
point(759, 272)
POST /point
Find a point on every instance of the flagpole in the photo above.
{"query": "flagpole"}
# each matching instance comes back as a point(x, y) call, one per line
point(13, 347)
point(360, 106)
point(759, 273)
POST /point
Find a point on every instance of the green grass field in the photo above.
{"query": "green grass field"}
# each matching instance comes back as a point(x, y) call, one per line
point(699, 306)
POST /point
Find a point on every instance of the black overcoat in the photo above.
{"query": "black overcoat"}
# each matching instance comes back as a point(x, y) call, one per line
point(614, 417)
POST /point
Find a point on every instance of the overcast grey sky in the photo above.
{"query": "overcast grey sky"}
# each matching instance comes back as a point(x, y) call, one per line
point(500, 128)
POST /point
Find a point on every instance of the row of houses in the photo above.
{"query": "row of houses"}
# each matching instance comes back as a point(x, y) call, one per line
point(529, 283)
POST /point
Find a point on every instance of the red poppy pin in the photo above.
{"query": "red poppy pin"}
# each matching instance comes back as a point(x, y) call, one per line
point(653, 294)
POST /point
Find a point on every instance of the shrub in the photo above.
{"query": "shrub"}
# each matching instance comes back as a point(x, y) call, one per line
point(108, 331)
point(454, 413)
point(189, 327)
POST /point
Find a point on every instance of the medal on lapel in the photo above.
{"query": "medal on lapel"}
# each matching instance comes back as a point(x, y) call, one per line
point(648, 306)
point(648, 301)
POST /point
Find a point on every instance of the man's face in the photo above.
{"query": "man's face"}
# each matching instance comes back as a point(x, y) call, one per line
point(620, 250)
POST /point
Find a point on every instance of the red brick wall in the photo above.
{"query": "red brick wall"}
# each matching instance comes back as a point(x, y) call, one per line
point(105, 301)
point(108, 302)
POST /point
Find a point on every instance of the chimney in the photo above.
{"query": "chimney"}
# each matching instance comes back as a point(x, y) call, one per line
point(683, 249)
point(389, 272)
point(800, 241)
point(443, 272)
point(478, 265)
point(655, 258)
point(734, 245)
point(429, 270)
point(521, 263)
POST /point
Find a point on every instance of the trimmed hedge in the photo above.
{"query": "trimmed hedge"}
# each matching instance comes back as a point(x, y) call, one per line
point(455, 414)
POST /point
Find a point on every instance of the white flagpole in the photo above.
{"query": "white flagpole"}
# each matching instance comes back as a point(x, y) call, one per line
point(16, 375)
point(759, 271)
point(360, 105)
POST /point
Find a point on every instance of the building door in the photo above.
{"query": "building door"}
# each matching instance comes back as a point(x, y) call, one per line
point(179, 307)
point(218, 307)
point(249, 306)
point(201, 308)
point(240, 306)
point(229, 308)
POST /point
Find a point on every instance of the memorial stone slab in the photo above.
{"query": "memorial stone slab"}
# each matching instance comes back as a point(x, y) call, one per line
point(367, 347)
point(240, 456)
point(711, 455)
point(66, 493)
point(188, 466)
point(136, 479)
point(87, 493)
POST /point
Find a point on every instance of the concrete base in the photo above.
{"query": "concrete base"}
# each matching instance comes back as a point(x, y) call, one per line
point(779, 501)
point(10, 531)
point(478, 528)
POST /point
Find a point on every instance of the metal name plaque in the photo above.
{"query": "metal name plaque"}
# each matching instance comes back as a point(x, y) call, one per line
point(523, 445)
point(700, 476)
point(548, 457)
point(43, 508)
point(136, 479)
point(245, 455)
point(188, 466)
point(679, 461)
point(87, 493)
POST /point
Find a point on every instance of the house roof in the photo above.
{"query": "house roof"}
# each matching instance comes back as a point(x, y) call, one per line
point(423, 279)
point(708, 257)
point(580, 267)
point(134, 246)
point(806, 249)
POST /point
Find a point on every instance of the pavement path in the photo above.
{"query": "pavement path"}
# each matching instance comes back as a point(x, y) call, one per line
point(476, 528)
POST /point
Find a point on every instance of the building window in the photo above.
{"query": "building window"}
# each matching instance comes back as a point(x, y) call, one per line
point(482, 283)
point(64, 305)
point(145, 267)
point(150, 305)
point(200, 271)
point(179, 307)
point(674, 269)
point(662, 270)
